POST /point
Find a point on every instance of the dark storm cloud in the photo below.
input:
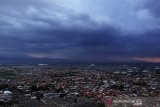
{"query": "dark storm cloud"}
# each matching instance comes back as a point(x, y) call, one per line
point(36, 29)
point(153, 6)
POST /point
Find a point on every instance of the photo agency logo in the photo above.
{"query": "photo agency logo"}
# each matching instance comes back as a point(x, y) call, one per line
point(135, 102)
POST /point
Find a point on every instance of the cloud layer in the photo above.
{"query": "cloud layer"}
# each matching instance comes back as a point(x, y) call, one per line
point(80, 30)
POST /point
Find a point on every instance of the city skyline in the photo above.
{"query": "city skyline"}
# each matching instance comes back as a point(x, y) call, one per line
point(79, 30)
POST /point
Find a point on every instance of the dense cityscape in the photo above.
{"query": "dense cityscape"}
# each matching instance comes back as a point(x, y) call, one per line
point(79, 53)
point(87, 85)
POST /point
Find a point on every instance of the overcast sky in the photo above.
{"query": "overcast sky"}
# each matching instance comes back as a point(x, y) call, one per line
point(80, 30)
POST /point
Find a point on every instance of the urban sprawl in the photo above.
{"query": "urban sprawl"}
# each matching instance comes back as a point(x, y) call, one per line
point(90, 85)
